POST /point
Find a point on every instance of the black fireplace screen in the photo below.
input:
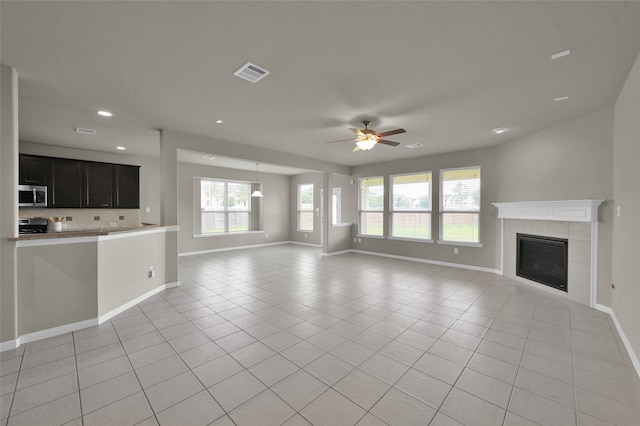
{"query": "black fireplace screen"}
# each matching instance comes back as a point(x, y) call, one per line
point(542, 259)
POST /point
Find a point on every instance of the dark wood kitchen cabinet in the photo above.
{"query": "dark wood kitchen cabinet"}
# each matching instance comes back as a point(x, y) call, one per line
point(34, 170)
point(126, 186)
point(65, 183)
point(97, 189)
point(82, 184)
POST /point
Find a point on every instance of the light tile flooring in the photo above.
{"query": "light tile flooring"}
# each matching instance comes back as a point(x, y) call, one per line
point(283, 336)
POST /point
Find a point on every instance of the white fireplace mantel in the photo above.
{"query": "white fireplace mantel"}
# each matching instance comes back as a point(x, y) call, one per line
point(564, 210)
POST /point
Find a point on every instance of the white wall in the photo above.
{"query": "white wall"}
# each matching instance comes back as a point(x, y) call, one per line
point(483, 257)
point(274, 206)
point(571, 161)
point(8, 202)
point(626, 194)
point(150, 189)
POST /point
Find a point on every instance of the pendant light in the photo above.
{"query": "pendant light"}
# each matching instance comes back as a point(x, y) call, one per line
point(257, 193)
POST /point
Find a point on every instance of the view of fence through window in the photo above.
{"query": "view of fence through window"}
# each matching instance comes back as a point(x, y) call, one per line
point(460, 205)
point(371, 205)
point(305, 207)
point(225, 206)
point(411, 205)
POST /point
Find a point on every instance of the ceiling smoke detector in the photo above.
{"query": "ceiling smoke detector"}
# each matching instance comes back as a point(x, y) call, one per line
point(85, 131)
point(251, 72)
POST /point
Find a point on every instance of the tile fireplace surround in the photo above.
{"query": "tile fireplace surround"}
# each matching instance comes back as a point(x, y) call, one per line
point(575, 220)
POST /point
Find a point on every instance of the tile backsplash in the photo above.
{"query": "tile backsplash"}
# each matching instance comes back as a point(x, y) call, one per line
point(81, 219)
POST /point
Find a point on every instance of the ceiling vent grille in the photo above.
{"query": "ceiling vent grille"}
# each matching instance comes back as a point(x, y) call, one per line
point(251, 72)
point(415, 145)
point(85, 131)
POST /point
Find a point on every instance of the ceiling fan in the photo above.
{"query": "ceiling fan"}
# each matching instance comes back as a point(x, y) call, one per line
point(367, 138)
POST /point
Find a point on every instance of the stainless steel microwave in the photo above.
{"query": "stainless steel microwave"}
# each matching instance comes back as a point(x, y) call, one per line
point(32, 196)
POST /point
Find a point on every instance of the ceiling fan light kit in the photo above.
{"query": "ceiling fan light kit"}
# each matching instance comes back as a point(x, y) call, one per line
point(366, 139)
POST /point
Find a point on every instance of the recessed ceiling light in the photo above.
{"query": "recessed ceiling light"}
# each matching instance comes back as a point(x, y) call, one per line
point(121, 148)
point(499, 130)
point(561, 98)
point(208, 157)
point(561, 54)
point(415, 145)
point(105, 113)
point(218, 121)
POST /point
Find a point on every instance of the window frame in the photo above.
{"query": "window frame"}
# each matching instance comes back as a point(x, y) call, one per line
point(393, 210)
point(443, 210)
point(225, 211)
point(362, 211)
point(336, 206)
point(301, 210)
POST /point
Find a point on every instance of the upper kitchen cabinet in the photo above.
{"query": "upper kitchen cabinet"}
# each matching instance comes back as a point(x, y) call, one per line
point(65, 183)
point(78, 183)
point(126, 186)
point(98, 185)
point(34, 170)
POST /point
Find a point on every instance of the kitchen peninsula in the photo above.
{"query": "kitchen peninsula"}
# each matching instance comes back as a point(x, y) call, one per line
point(77, 279)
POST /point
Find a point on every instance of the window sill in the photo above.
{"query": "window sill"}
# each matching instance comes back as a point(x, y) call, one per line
point(459, 243)
point(340, 225)
point(377, 237)
point(306, 231)
point(226, 234)
point(415, 240)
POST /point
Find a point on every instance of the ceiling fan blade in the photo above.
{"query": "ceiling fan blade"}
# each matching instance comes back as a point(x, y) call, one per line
point(343, 140)
point(356, 131)
point(392, 132)
point(357, 148)
point(386, 142)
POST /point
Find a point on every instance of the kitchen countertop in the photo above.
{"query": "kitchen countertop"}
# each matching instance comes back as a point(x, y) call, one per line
point(84, 233)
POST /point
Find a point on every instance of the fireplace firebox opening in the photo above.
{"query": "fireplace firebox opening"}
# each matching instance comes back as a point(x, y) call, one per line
point(543, 259)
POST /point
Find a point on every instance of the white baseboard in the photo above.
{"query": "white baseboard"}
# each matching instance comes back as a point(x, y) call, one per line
point(9, 344)
point(56, 331)
point(193, 253)
point(305, 244)
point(432, 262)
point(625, 340)
point(106, 317)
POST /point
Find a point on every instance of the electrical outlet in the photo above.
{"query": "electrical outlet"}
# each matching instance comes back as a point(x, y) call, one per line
point(121, 217)
point(68, 218)
point(355, 240)
point(266, 235)
point(359, 240)
point(455, 250)
point(152, 272)
point(147, 210)
point(96, 218)
point(305, 235)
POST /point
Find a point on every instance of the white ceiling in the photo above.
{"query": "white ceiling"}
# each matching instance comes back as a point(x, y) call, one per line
point(447, 72)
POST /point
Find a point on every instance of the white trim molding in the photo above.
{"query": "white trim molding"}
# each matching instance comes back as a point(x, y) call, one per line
point(565, 210)
point(627, 344)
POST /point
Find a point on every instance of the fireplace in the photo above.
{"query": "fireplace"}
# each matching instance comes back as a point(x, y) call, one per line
point(542, 259)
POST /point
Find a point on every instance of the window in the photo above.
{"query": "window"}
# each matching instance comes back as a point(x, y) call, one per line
point(460, 205)
point(411, 205)
point(305, 207)
point(224, 206)
point(371, 205)
point(336, 206)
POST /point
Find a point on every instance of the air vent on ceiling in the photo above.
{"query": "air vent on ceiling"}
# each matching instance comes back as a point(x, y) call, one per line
point(415, 145)
point(251, 72)
point(85, 131)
